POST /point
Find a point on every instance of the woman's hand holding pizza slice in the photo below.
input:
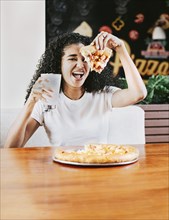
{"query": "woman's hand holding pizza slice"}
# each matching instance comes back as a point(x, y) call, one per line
point(108, 40)
point(98, 53)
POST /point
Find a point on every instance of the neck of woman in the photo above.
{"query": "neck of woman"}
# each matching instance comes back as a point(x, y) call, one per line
point(73, 93)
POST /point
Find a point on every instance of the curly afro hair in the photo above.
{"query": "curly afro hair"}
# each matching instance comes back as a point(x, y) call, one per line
point(50, 62)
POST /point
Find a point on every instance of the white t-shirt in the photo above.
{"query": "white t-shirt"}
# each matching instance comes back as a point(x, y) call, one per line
point(77, 122)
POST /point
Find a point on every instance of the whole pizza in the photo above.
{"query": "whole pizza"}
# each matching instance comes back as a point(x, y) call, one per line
point(99, 154)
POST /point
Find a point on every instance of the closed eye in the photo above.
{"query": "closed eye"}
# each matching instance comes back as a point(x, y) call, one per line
point(74, 59)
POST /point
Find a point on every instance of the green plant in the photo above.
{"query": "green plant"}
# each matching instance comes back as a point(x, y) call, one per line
point(157, 89)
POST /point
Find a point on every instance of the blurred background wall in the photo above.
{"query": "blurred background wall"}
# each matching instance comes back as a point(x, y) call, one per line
point(143, 25)
point(22, 43)
point(27, 26)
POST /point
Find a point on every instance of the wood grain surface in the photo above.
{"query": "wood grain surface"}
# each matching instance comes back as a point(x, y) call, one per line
point(35, 187)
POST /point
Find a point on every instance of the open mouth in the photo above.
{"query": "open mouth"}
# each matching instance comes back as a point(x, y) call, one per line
point(78, 75)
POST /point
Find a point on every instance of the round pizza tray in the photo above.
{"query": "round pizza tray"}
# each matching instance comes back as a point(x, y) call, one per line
point(94, 164)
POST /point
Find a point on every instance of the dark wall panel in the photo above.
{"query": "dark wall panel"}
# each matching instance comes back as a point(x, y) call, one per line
point(134, 21)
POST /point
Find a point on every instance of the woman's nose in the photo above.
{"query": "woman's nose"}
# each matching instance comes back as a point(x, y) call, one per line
point(80, 63)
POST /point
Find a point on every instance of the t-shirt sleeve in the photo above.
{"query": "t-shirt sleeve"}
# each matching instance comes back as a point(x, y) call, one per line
point(110, 91)
point(37, 112)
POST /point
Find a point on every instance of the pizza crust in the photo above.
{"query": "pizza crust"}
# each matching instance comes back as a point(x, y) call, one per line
point(99, 153)
point(97, 59)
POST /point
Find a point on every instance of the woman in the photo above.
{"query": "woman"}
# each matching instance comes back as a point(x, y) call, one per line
point(86, 99)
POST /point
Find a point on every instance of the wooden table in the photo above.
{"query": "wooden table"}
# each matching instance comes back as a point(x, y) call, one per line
point(35, 187)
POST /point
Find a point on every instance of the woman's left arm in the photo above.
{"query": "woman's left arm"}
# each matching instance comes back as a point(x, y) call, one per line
point(136, 90)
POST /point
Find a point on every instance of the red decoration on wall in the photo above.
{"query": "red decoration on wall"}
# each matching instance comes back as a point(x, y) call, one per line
point(106, 29)
point(139, 18)
point(134, 35)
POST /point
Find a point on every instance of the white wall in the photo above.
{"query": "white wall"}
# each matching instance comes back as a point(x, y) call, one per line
point(22, 44)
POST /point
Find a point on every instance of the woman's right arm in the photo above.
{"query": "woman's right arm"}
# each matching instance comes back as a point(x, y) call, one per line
point(24, 126)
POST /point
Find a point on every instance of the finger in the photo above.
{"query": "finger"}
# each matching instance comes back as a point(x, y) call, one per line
point(39, 80)
point(37, 85)
point(39, 96)
point(106, 40)
point(96, 42)
point(43, 99)
point(36, 88)
point(35, 96)
point(116, 42)
point(92, 43)
point(101, 39)
point(47, 92)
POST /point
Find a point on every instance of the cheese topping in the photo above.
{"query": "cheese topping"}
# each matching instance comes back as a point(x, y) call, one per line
point(97, 59)
point(99, 153)
point(103, 149)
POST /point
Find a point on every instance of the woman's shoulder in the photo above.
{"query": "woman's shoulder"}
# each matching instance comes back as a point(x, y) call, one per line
point(106, 89)
point(110, 89)
point(40, 106)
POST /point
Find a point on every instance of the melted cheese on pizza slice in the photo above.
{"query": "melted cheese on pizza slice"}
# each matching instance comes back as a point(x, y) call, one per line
point(97, 59)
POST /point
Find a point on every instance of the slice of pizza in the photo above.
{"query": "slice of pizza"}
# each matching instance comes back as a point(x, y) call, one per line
point(99, 153)
point(97, 59)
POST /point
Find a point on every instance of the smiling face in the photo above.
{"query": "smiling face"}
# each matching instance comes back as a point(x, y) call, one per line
point(74, 69)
